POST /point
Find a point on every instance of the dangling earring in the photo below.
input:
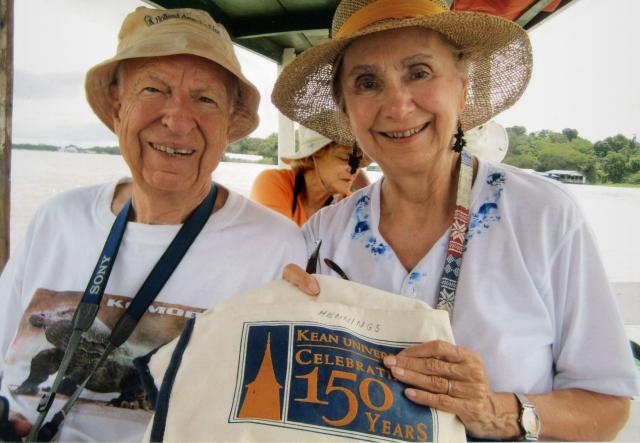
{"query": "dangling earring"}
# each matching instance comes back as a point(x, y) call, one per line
point(459, 141)
point(354, 161)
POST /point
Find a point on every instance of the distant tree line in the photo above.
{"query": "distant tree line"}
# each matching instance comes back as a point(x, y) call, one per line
point(266, 147)
point(612, 160)
point(111, 150)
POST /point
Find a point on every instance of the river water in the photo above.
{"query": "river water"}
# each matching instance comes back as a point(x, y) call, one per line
point(613, 213)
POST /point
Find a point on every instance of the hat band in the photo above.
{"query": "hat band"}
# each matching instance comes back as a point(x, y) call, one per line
point(384, 9)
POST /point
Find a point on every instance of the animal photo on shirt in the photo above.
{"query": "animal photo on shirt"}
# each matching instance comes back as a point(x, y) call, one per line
point(45, 328)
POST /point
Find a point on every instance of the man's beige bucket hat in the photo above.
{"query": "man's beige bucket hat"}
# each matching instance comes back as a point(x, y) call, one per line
point(155, 33)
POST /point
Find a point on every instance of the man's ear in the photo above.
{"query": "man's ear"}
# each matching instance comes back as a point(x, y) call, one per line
point(114, 92)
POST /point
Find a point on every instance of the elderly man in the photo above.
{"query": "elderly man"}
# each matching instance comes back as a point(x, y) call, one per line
point(175, 96)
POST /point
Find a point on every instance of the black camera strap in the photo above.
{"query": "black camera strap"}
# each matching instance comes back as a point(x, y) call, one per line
point(88, 308)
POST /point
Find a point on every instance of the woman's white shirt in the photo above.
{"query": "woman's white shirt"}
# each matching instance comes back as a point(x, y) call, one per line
point(533, 298)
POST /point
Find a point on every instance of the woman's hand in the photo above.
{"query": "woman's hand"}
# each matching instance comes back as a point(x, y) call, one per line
point(452, 379)
point(295, 275)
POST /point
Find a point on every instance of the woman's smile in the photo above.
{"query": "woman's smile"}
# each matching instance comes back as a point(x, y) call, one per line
point(404, 135)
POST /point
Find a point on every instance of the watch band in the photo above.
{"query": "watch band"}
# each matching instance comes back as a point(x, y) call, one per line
point(528, 419)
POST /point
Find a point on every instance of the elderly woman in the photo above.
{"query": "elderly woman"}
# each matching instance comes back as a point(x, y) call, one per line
point(508, 254)
point(175, 96)
point(322, 172)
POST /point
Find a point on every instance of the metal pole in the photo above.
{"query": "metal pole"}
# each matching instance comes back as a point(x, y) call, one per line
point(286, 138)
point(6, 101)
point(530, 13)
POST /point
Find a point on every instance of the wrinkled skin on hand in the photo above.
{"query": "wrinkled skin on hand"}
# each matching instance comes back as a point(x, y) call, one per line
point(450, 378)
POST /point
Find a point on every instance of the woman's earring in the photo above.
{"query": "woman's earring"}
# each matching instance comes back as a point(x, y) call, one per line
point(459, 142)
point(354, 161)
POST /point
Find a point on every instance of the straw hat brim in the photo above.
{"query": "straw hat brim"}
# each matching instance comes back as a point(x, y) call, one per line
point(499, 58)
point(99, 79)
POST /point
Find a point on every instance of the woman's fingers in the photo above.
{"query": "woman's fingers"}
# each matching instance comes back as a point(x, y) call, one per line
point(437, 349)
point(295, 275)
point(435, 367)
point(21, 425)
point(444, 376)
point(442, 402)
point(473, 390)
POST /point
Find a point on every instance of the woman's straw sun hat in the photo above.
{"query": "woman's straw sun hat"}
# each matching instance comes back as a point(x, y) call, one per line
point(155, 33)
point(498, 54)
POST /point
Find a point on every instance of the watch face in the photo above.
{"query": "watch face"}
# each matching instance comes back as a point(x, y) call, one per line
point(529, 421)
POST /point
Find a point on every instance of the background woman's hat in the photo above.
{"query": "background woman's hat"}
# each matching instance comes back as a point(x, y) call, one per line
point(156, 33)
point(310, 143)
point(489, 141)
point(498, 53)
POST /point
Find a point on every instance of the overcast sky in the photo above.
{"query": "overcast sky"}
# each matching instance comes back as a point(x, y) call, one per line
point(586, 65)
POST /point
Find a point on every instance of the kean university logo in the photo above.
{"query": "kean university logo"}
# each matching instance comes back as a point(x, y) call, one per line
point(326, 380)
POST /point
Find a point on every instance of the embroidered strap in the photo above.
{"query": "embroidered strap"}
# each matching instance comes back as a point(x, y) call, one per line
point(457, 236)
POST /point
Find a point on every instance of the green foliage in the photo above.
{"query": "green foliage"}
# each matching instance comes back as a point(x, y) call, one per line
point(569, 133)
point(634, 178)
point(614, 166)
point(35, 147)
point(614, 159)
point(526, 160)
point(634, 163)
point(266, 147)
point(112, 150)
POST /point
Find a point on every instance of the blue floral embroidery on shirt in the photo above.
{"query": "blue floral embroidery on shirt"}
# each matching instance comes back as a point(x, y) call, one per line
point(361, 227)
point(488, 213)
point(415, 277)
point(376, 247)
point(496, 179)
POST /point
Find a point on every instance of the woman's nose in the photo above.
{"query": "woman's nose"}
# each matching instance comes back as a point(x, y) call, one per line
point(398, 102)
point(178, 116)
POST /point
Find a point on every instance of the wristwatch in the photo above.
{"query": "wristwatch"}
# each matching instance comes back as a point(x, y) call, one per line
point(528, 418)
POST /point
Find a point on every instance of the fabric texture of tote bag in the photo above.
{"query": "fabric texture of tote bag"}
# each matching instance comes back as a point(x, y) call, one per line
point(274, 365)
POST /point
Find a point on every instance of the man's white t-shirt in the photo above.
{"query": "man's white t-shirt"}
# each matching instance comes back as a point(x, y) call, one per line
point(533, 298)
point(242, 246)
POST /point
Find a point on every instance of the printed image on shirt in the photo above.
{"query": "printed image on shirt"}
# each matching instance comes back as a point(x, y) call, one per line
point(43, 333)
point(327, 380)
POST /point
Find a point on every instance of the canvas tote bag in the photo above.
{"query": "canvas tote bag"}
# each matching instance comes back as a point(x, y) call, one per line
point(275, 365)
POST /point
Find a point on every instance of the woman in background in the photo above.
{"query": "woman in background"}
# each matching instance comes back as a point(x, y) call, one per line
point(322, 172)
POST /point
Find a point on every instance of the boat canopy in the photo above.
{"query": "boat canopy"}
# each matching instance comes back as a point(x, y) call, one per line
point(269, 26)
